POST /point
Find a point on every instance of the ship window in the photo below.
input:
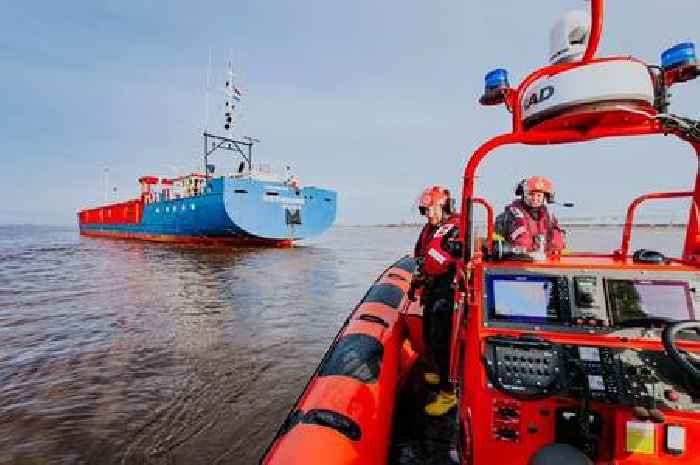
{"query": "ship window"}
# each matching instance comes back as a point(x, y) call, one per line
point(272, 193)
point(167, 209)
point(183, 208)
point(240, 191)
point(192, 206)
point(157, 210)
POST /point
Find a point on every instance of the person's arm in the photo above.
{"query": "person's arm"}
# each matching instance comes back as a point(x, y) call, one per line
point(518, 234)
point(558, 239)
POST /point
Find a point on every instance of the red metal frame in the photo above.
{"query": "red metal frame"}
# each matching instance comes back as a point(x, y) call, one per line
point(489, 219)
point(596, 30)
point(629, 221)
point(624, 127)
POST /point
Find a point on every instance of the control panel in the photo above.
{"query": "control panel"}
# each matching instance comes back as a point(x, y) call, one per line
point(529, 369)
point(634, 378)
point(589, 300)
point(525, 369)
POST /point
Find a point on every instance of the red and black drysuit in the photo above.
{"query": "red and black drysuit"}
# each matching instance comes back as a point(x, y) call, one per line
point(426, 234)
point(521, 225)
point(436, 253)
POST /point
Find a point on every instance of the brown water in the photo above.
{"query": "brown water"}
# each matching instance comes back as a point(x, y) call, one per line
point(116, 352)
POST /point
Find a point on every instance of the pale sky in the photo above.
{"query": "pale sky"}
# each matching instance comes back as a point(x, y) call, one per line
point(375, 99)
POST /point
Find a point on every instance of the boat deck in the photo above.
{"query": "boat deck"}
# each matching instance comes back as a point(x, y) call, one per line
point(419, 438)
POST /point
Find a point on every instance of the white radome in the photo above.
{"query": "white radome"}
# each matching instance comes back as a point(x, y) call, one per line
point(569, 37)
point(619, 81)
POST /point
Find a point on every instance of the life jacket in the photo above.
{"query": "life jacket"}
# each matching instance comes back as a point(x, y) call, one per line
point(424, 238)
point(440, 257)
point(520, 228)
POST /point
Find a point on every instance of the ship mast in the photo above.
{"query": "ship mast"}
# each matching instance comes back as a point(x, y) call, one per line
point(212, 142)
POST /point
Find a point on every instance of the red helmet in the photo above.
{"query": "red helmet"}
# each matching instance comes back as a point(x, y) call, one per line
point(435, 195)
point(536, 184)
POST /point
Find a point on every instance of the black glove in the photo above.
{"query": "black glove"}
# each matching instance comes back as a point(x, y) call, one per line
point(454, 248)
point(416, 283)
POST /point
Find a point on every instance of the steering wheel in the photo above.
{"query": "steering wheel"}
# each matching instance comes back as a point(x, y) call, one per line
point(690, 363)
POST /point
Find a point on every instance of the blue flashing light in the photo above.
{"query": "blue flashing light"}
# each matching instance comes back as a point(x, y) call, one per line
point(678, 55)
point(496, 79)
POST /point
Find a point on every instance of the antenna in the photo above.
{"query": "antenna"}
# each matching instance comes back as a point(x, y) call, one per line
point(206, 93)
point(233, 98)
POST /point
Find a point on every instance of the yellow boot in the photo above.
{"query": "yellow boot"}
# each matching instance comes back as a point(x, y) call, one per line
point(431, 378)
point(442, 404)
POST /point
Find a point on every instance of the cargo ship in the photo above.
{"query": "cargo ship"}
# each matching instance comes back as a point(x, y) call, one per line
point(250, 207)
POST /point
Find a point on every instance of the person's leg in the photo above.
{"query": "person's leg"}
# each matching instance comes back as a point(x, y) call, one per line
point(439, 341)
point(430, 376)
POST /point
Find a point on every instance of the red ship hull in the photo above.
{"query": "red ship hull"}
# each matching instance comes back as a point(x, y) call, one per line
point(199, 240)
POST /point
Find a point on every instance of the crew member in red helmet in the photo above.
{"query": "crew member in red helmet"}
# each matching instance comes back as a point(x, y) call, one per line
point(527, 224)
point(436, 252)
point(431, 204)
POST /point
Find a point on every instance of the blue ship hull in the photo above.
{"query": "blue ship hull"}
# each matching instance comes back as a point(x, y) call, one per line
point(244, 210)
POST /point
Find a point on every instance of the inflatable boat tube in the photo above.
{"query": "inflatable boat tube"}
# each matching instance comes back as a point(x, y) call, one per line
point(344, 416)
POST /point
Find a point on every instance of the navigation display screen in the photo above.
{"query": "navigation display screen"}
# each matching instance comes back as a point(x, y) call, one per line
point(523, 298)
point(639, 299)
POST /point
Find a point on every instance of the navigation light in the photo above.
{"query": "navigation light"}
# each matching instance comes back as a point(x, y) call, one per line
point(497, 79)
point(678, 55)
point(680, 63)
point(496, 83)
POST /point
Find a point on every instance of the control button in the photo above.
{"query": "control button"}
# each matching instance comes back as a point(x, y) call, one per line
point(671, 395)
point(506, 433)
point(507, 412)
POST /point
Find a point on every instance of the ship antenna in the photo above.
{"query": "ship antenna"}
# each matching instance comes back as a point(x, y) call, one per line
point(205, 123)
point(233, 96)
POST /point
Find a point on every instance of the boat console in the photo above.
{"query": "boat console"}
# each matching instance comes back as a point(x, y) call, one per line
point(560, 344)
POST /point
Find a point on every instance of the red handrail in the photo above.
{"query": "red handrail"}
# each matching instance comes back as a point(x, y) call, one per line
point(596, 30)
point(629, 221)
point(489, 219)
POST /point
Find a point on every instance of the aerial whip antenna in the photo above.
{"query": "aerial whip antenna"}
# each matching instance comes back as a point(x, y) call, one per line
point(206, 93)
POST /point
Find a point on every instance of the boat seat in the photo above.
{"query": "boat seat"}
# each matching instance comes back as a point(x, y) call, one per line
point(559, 454)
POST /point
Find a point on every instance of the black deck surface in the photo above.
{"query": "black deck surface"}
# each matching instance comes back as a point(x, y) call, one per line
point(419, 438)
